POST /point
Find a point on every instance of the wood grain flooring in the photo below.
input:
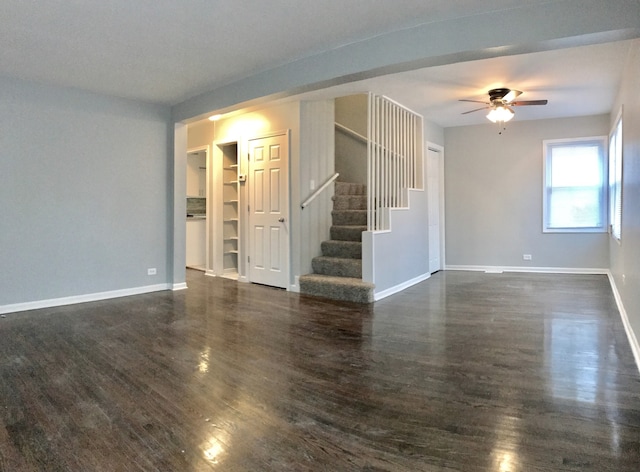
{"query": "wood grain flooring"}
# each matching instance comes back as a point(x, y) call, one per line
point(462, 372)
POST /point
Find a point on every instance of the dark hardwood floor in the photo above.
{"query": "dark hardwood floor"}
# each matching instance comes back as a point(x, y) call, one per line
point(463, 372)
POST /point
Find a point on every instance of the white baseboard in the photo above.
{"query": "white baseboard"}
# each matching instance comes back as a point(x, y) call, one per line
point(543, 270)
point(90, 297)
point(633, 340)
point(400, 287)
point(180, 286)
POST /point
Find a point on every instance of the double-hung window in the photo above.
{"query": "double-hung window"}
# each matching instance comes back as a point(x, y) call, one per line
point(575, 190)
point(615, 179)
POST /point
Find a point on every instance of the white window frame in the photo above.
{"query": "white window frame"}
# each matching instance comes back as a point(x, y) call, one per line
point(602, 142)
point(615, 178)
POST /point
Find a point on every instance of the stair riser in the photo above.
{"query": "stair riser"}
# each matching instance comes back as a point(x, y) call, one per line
point(347, 233)
point(349, 202)
point(335, 292)
point(344, 249)
point(343, 188)
point(337, 267)
point(349, 218)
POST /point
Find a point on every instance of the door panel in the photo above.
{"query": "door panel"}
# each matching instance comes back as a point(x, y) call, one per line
point(269, 211)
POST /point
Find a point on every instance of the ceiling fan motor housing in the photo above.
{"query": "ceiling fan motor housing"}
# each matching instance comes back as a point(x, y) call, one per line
point(498, 94)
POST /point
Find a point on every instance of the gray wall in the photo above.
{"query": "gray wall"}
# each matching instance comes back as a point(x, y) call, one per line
point(625, 257)
point(351, 153)
point(84, 185)
point(433, 133)
point(493, 197)
point(400, 256)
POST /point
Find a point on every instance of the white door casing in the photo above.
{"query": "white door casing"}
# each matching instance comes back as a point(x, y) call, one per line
point(268, 184)
point(435, 200)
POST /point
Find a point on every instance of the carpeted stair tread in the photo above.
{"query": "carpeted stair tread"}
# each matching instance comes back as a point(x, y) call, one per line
point(343, 249)
point(338, 272)
point(347, 232)
point(337, 288)
point(338, 266)
point(349, 217)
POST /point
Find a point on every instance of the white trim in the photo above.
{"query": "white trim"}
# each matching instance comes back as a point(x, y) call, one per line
point(180, 286)
point(440, 149)
point(90, 297)
point(547, 145)
point(286, 133)
point(544, 270)
point(633, 340)
point(400, 287)
point(208, 202)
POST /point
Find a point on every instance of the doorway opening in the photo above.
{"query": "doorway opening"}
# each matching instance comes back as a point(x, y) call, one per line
point(196, 218)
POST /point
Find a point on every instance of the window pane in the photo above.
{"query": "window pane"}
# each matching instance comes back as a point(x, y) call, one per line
point(574, 207)
point(575, 166)
point(615, 180)
point(575, 186)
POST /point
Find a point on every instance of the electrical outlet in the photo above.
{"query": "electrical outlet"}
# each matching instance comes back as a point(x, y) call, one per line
point(312, 184)
point(152, 271)
point(526, 257)
point(624, 279)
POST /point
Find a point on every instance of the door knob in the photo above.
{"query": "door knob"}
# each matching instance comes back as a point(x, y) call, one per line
point(281, 220)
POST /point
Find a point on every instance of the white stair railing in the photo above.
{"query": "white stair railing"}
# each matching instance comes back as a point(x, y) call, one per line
point(395, 156)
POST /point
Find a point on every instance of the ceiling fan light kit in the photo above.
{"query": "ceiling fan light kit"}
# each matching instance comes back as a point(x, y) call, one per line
point(500, 114)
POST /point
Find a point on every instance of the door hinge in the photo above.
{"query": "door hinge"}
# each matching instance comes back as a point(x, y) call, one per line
point(248, 207)
point(248, 258)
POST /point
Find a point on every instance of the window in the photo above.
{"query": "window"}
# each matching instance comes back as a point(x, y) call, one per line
point(615, 179)
point(574, 185)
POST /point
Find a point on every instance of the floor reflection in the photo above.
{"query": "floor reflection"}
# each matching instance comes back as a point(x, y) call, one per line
point(572, 355)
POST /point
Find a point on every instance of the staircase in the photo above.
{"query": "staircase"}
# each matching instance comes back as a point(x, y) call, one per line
point(338, 272)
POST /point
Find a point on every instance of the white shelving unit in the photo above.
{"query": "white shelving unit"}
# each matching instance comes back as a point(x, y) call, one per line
point(230, 214)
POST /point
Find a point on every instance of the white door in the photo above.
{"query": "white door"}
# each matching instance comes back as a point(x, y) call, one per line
point(434, 169)
point(268, 184)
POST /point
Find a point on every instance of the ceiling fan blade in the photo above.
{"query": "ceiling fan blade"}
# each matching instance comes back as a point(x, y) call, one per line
point(474, 101)
point(528, 102)
point(477, 109)
point(511, 95)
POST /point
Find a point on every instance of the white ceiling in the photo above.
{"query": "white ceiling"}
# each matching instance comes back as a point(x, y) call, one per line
point(577, 82)
point(166, 51)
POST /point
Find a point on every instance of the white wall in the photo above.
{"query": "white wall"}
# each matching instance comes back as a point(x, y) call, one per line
point(625, 257)
point(311, 158)
point(351, 152)
point(493, 197)
point(85, 191)
point(317, 151)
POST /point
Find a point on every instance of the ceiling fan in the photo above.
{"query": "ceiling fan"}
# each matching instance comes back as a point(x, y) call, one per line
point(500, 102)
